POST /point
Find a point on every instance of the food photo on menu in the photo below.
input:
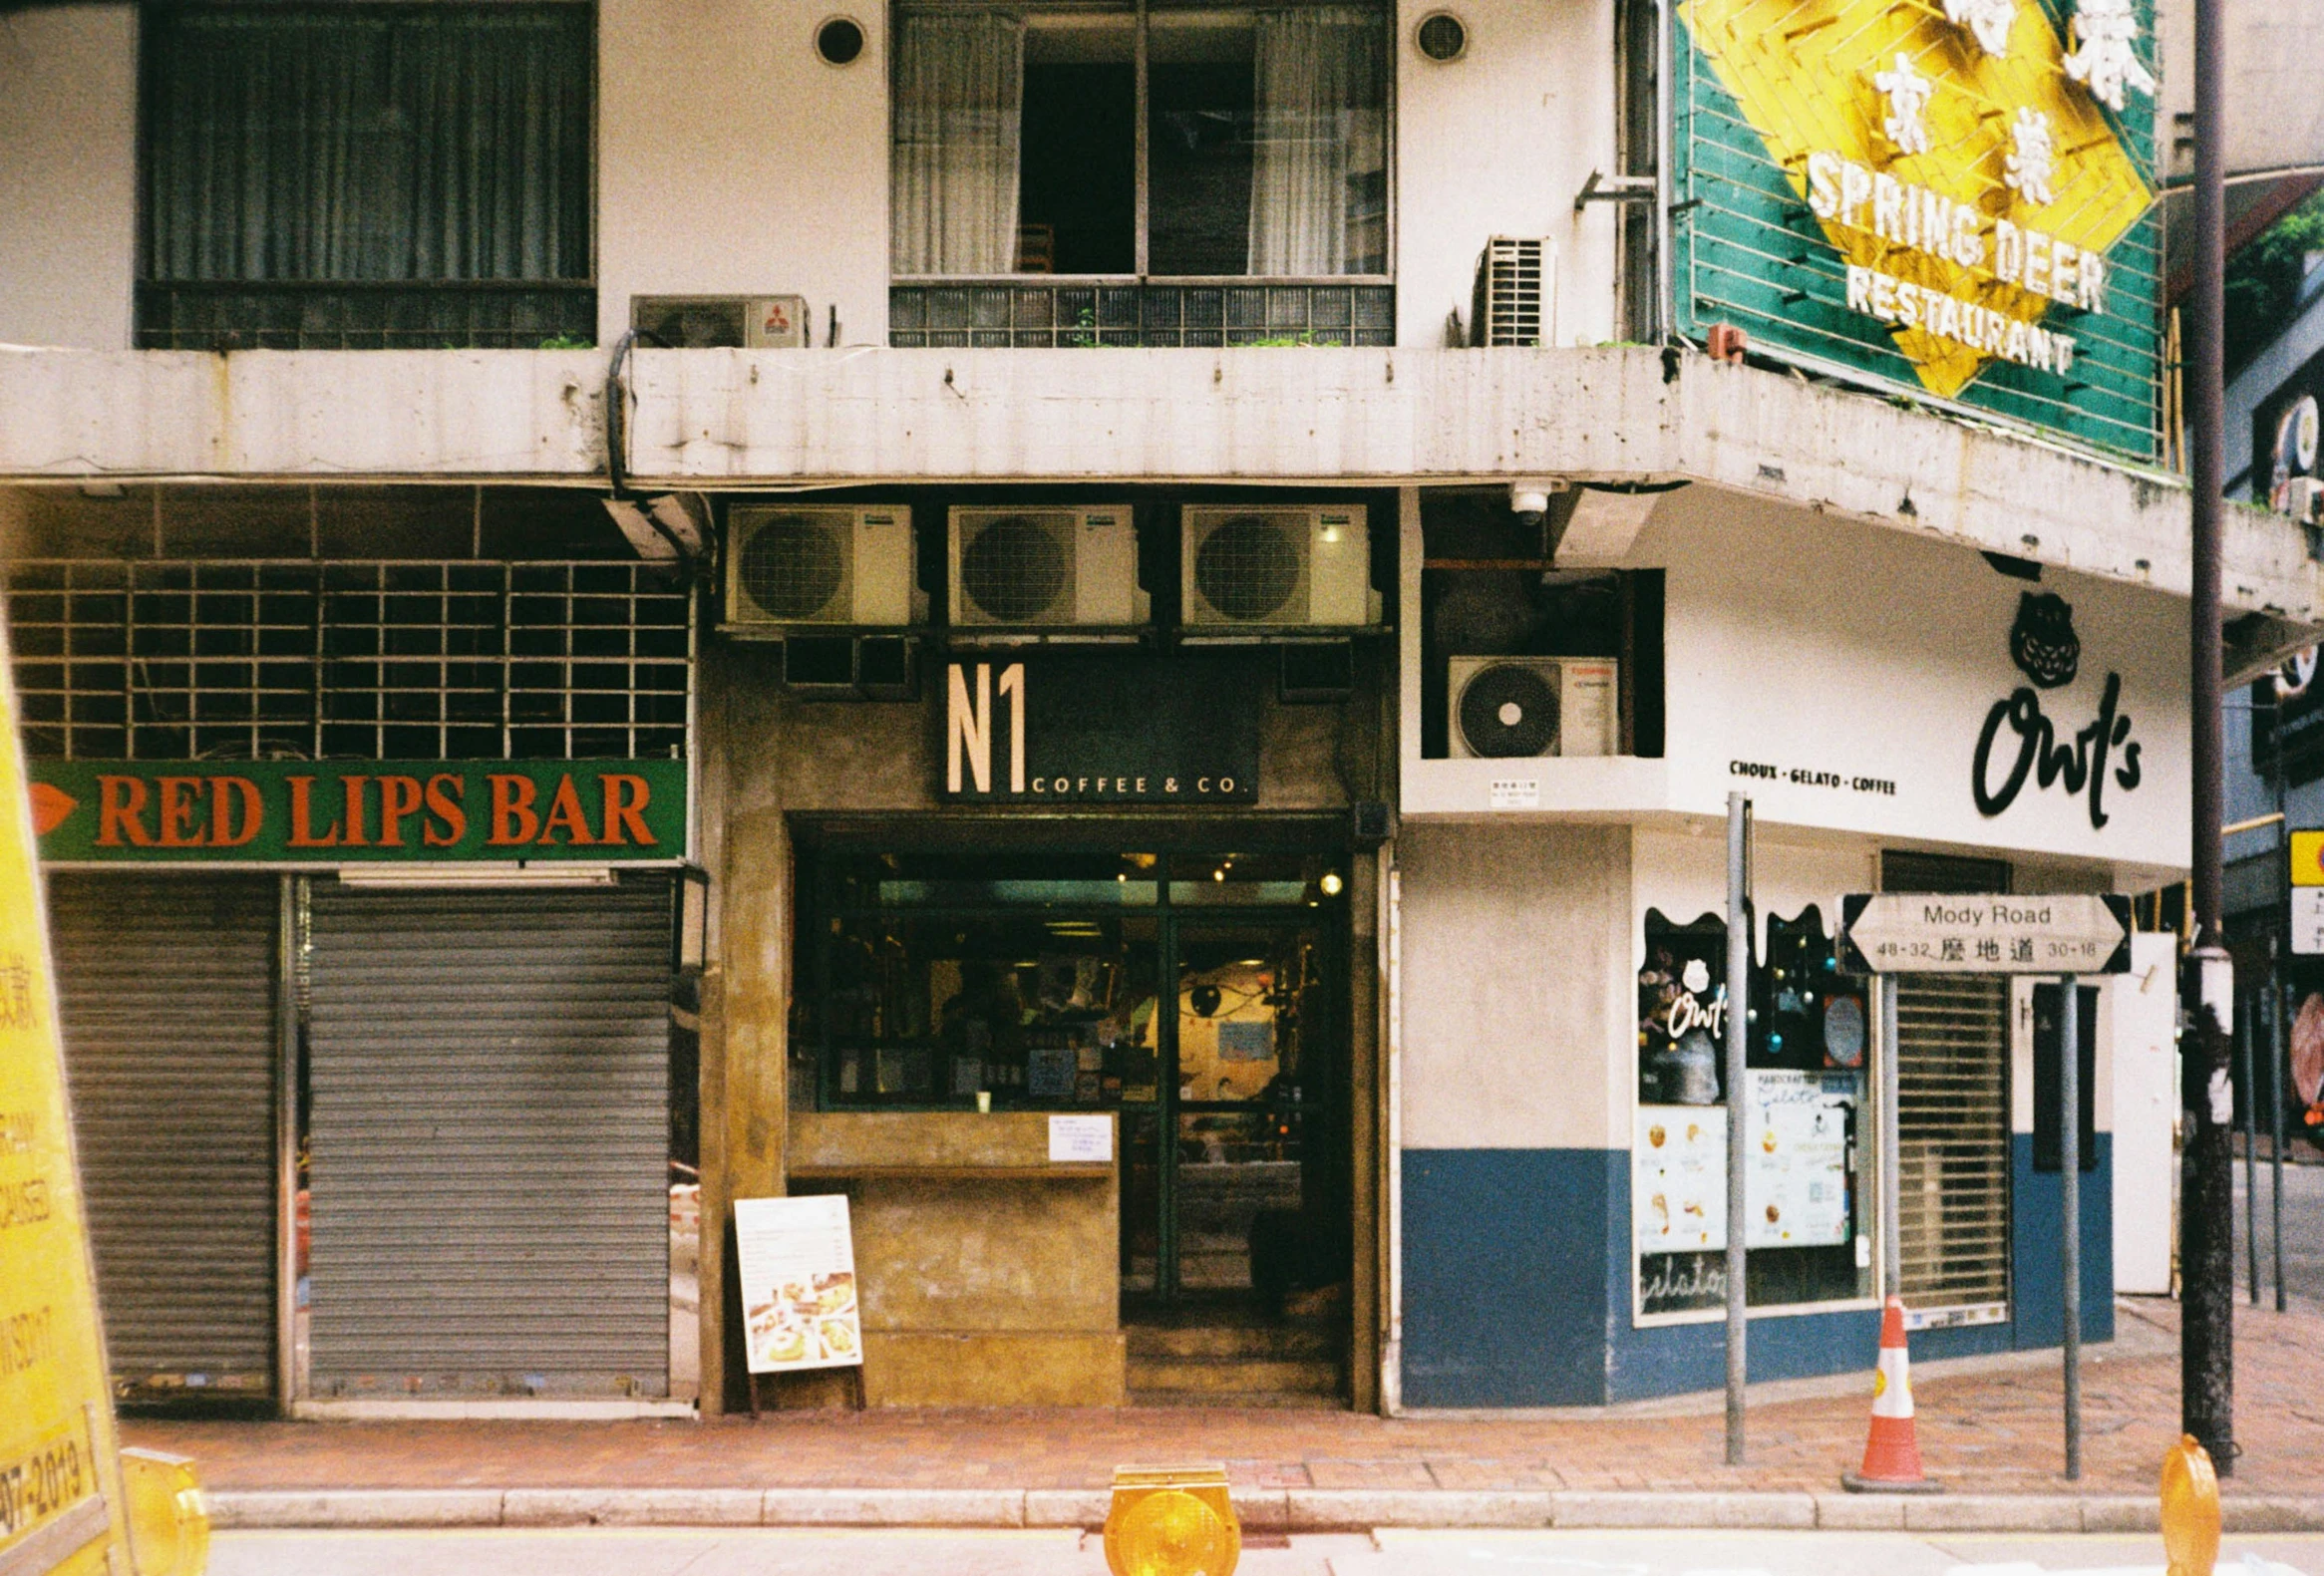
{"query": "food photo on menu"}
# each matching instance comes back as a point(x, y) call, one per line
point(807, 1324)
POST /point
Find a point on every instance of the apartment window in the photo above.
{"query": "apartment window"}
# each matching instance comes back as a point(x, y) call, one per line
point(1187, 176)
point(366, 176)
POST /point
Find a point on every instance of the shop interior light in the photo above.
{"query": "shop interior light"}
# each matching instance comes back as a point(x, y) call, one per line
point(406, 877)
point(1331, 883)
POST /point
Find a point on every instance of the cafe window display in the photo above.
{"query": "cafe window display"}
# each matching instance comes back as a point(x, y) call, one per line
point(1808, 1202)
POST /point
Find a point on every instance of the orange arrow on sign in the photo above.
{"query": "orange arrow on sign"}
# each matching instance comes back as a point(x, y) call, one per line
point(50, 807)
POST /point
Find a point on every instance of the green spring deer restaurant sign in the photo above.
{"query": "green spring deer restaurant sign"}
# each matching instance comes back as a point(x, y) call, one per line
point(358, 812)
point(1952, 198)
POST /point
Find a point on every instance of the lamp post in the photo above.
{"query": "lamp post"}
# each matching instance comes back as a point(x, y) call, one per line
point(2206, 1215)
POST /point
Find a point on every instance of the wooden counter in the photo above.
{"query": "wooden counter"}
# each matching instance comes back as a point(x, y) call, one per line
point(989, 1275)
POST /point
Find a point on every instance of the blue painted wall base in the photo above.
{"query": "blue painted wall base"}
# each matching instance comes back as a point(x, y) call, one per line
point(1517, 1286)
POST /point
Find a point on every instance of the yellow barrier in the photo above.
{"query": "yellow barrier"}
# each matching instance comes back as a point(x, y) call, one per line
point(1171, 1521)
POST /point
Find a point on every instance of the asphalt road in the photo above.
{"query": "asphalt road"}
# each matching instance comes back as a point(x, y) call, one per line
point(755, 1552)
point(2303, 1233)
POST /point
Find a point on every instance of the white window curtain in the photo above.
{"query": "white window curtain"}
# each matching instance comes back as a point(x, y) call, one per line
point(959, 109)
point(1320, 164)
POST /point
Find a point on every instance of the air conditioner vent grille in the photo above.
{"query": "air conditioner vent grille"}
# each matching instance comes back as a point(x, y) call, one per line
point(1509, 710)
point(1248, 567)
point(791, 567)
point(1015, 569)
point(1514, 282)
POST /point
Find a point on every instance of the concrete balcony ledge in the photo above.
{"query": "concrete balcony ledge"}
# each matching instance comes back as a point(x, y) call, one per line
point(724, 420)
point(434, 415)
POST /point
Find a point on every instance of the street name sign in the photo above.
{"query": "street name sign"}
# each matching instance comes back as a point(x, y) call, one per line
point(1984, 933)
point(2307, 893)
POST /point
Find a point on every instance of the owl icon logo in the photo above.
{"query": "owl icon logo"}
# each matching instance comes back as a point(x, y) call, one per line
point(2041, 642)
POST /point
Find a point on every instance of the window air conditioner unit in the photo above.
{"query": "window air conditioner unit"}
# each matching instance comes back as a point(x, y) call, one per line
point(1258, 568)
point(1015, 569)
point(1508, 707)
point(818, 564)
point(720, 322)
point(1515, 300)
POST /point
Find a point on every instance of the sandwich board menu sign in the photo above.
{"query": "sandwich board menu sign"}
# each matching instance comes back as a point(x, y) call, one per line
point(60, 1484)
point(795, 1258)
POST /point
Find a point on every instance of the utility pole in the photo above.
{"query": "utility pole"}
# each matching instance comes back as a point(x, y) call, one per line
point(2206, 1216)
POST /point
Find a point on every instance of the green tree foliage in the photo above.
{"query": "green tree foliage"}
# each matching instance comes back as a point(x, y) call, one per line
point(2263, 280)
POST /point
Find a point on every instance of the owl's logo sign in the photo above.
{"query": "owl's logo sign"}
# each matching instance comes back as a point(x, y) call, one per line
point(2041, 642)
point(2046, 650)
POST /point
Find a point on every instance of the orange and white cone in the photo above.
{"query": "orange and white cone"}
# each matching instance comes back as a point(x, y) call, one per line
point(1892, 1454)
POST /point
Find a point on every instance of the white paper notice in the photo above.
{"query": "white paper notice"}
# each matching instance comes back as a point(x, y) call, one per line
point(795, 1258)
point(1080, 1138)
point(1678, 1184)
point(1798, 1194)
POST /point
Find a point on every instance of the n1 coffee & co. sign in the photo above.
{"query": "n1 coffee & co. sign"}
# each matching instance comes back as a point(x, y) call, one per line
point(1954, 196)
point(358, 812)
point(1102, 728)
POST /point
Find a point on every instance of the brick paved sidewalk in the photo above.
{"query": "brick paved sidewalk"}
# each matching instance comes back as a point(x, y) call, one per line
point(1995, 1432)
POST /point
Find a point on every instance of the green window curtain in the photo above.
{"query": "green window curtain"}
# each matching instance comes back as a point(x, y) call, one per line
point(420, 142)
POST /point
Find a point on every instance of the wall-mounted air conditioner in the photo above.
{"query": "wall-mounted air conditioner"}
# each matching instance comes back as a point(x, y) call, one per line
point(789, 564)
point(1046, 568)
point(720, 322)
point(1503, 708)
point(1251, 567)
point(1515, 298)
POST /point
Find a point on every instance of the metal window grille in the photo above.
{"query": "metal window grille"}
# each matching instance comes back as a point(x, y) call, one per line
point(1514, 279)
point(375, 659)
point(1002, 313)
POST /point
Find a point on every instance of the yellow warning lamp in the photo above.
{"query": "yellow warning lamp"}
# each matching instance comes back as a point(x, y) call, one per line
point(1171, 1521)
point(2191, 1509)
point(169, 1519)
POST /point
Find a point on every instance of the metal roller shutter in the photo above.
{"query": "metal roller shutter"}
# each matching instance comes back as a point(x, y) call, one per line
point(1953, 1141)
point(489, 1141)
point(1952, 1068)
point(167, 992)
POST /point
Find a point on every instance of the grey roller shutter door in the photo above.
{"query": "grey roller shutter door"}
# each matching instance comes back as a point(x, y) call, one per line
point(167, 991)
point(488, 1081)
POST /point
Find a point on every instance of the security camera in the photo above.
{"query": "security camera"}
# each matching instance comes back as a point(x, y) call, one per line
point(1529, 505)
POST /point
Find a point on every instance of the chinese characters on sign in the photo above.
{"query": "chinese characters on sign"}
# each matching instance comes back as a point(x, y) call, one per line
point(1919, 933)
point(1952, 195)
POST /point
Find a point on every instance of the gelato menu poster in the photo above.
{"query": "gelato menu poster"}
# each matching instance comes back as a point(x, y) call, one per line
point(1678, 1184)
point(1797, 1192)
point(795, 1258)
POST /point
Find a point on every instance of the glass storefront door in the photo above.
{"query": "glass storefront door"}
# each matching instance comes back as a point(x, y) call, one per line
point(1034, 981)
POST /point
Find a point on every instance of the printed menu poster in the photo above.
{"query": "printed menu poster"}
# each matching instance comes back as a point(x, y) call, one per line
point(1797, 1192)
point(1678, 1183)
point(795, 1258)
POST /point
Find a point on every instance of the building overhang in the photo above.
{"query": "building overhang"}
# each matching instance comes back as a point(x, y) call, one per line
point(722, 421)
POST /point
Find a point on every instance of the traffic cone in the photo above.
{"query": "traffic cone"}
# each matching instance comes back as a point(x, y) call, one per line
point(1891, 1455)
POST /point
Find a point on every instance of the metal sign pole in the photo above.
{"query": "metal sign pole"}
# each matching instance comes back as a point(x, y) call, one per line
point(1738, 1031)
point(2278, 1004)
point(2247, 1055)
point(1891, 1143)
point(2070, 1208)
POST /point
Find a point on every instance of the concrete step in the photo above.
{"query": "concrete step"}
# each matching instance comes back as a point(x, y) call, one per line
point(1237, 1377)
point(1279, 1341)
point(1273, 1400)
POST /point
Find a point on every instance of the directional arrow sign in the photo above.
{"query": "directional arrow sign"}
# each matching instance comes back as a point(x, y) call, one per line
point(1983, 933)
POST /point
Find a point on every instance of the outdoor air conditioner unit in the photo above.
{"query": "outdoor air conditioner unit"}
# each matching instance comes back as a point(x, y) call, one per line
point(1045, 568)
point(1508, 707)
point(1253, 567)
point(791, 564)
point(720, 322)
point(1515, 299)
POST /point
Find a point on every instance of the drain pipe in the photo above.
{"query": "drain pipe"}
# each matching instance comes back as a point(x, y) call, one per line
point(1391, 927)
